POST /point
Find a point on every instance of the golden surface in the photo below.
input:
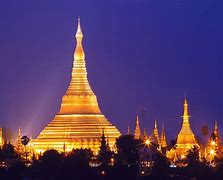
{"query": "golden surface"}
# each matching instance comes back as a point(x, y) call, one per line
point(137, 133)
point(79, 122)
point(185, 139)
point(155, 134)
point(163, 138)
point(1, 138)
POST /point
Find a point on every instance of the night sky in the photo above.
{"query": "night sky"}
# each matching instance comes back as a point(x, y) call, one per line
point(142, 56)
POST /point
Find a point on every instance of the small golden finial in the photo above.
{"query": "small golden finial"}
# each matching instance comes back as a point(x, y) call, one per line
point(155, 124)
point(137, 119)
point(185, 97)
point(216, 125)
point(128, 131)
point(79, 32)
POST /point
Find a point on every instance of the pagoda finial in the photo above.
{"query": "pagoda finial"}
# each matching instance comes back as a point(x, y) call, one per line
point(163, 142)
point(185, 96)
point(144, 134)
point(128, 133)
point(216, 125)
point(137, 133)
point(216, 133)
point(155, 126)
point(155, 132)
point(19, 132)
point(79, 32)
point(137, 120)
point(79, 52)
point(185, 114)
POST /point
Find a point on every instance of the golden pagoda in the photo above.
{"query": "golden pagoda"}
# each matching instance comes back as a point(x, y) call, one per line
point(19, 147)
point(79, 122)
point(137, 134)
point(216, 137)
point(155, 134)
point(1, 138)
point(163, 143)
point(185, 139)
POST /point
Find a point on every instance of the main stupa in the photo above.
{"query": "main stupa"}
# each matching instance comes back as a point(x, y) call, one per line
point(79, 122)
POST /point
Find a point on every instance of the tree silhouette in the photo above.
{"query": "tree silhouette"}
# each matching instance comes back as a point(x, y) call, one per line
point(160, 168)
point(105, 154)
point(127, 148)
point(50, 164)
point(192, 157)
point(8, 153)
point(205, 131)
point(77, 162)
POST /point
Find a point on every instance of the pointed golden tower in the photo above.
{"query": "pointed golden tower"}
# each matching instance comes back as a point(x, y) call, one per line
point(216, 133)
point(137, 133)
point(163, 143)
point(19, 147)
point(155, 134)
point(128, 133)
point(185, 139)
point(79, 122)
point(1, 138)
point(145, 136)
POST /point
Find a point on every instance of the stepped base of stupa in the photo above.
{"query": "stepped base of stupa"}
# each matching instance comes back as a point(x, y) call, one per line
point(76, 131)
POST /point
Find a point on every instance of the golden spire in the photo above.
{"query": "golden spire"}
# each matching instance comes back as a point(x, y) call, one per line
point(145, 134)
point(163, 137)
point(128, 133)
point(79, 84)
point(215, 125)
point(137, 129)
point(79, 97)
point(185, 138)
point(79, 52)
point(19, 133)
point(155, 132)
point(185, 115)
point(19, 145)
point(216, 133)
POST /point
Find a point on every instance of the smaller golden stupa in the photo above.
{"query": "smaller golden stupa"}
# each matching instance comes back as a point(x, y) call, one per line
point(185, 139)
point(137, 133)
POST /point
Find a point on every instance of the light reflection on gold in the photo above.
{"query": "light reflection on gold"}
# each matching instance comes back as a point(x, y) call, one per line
point(79, 122)
point(185, 139)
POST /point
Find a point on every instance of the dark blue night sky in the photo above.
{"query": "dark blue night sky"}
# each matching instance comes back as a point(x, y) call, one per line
point(142, 56)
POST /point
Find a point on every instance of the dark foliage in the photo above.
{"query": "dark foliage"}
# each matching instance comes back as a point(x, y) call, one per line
point(75, 165)
point(160, 168)
point(127, 148)
point(105, 154)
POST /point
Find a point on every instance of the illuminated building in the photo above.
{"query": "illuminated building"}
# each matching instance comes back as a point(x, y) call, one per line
point(215, 134)
point(1, 138)
point(137, 133)
point(19, 147)
point(79, 122)
point(155, 134)
point(185, 139)
point(163, 143)
point(214, 147)
point(145, 136)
